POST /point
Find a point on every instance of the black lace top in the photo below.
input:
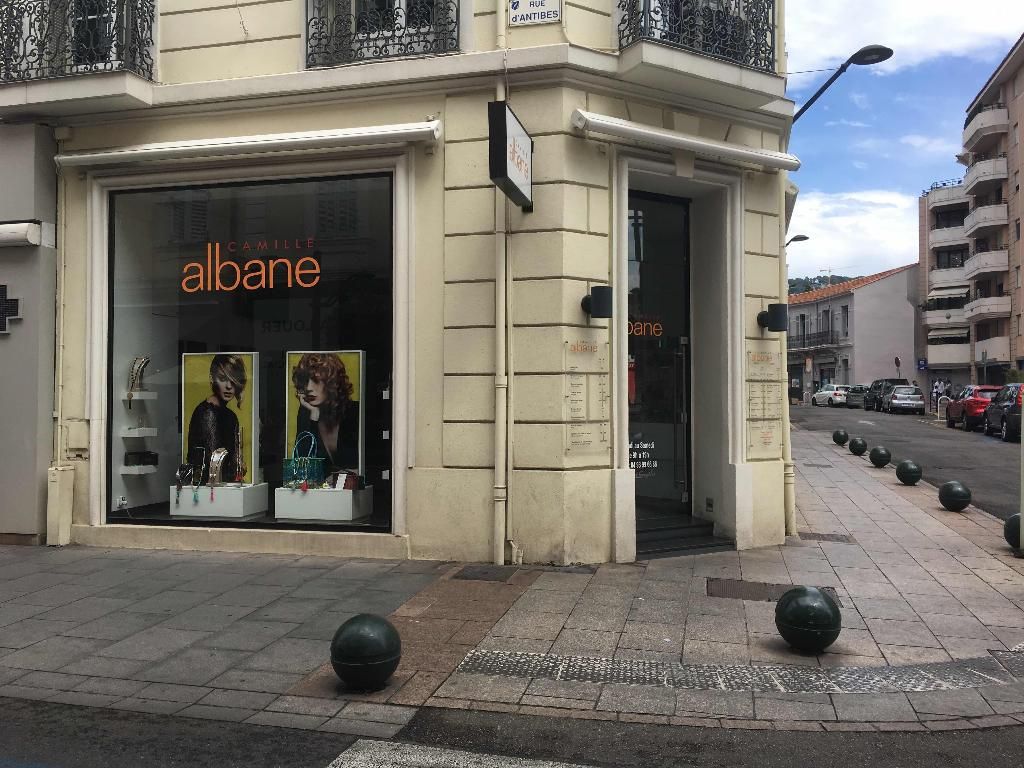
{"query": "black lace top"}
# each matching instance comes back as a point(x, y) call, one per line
point(212, 427)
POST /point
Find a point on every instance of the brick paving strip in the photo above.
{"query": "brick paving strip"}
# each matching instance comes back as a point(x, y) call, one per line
point(932, 614)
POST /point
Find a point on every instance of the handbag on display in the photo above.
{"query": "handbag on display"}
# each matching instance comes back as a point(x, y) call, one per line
point(304, 471)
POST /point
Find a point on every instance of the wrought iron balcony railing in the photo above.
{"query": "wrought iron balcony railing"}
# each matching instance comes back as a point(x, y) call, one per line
point(347, 31)
point(796, 341)
point(56, 38)
point(738, 31)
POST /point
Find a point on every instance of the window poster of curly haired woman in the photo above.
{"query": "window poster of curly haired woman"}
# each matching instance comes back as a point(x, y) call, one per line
point(219, 392)
point(324, 410)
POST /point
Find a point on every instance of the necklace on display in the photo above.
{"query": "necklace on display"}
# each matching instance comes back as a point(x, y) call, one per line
point(135, 377)
point(184, 471)
point(216, 462)
point(239, 465)
point(196, 477)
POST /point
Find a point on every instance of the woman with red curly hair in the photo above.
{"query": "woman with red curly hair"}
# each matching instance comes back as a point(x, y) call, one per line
point(326, 410)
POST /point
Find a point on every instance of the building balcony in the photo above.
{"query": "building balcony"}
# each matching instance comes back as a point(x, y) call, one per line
point(984, 127)
point(62, 56)
point(947, 193)
point(334, 35)
point(938, 318)
point(941, 237)
point(990, 308)
point(939, 278)
point(949, 355)
point(986, 263)
point(985, 175)
point(986, 218)
point(802, 342)
point(994, 350)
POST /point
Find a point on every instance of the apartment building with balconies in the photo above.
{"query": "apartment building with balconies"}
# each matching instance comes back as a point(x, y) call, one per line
point(853, 332)
point(279, 219)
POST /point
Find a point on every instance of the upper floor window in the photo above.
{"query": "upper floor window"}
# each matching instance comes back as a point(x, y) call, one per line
point(348, 31)
point(950, 259)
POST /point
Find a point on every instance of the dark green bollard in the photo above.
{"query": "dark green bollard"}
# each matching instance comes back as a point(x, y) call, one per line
point(954, 496)
point(880, 456)
point(808, 619)
point(1011, 530)
point(839, 437)
point(365, 652)
point(858, 445)
point(908, 472)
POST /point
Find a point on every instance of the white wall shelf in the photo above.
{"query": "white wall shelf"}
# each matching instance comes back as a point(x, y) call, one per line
point(141, 469)
point(143, 394)
point(139, 432)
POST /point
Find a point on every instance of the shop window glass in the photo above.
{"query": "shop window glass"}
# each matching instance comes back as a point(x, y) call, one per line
point(251, 353)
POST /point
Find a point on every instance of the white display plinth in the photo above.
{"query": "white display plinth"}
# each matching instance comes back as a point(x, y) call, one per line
point(332, 504)
point(230, 501)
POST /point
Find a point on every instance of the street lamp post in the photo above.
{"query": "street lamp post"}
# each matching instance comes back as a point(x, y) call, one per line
point(866, 56)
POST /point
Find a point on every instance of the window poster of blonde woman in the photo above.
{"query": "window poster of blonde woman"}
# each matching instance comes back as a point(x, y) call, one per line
point(219, 396)
point(324, 409)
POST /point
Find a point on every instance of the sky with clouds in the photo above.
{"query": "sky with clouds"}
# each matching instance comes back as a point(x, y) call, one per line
point(882, 134)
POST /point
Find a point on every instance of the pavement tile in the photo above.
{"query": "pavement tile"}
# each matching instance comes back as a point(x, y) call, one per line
point(552, 704)
point(992, 721)
point(209, 617)
point(581, 642)
point(963, 703)
point(169, 603)
point(10, 613)
point(150, 706)
point(547, 601)
point(718, 703)
point(82, 699)
point(287, 720)
point(153, 644)
point(903, 655)
point(950, 725)
point(639, 699)
point(705, 652)
point(564, 689)
point(873, 707)
point(111, 686)
point(483, 688)
point(795, 706)
point(562, 582)
point(100, 666)
point(943, 625)
point(237, 699)
point(84, 610)
point(8, 675)
point(722, 629)
point(897, 632)
point(171, 692)
point(54, 680)
point(649, 636)
point(193, 666)
point(305, 705)
point(290, 655)
point(471, 632)
point(14, 691)
point(418, 688)
point(882, 608)
point(966, 648)
point(250, 635)
point(597, 617)
point(360, 728)
point(290, 609)
point(255, 680)
point(116, 625)
point(856, 642)
point(380, 713)
point(413, 629)
point(58, 595)
point(53, 653)
point(659, 611)
point(204, 712)
point(530, 625)
point(26, 632)
point(747, 725)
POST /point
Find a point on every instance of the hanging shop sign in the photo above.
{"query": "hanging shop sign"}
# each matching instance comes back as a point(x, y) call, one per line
point(524, 12)
point(510, 154)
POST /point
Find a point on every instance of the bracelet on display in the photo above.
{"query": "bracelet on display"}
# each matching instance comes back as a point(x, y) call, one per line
point(135, 377)
point(195, 478)
point(216, 462)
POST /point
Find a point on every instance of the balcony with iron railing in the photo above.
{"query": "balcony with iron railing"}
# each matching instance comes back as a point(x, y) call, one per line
point(987, 172)
point(986, 260)
point(947, 192)
point(351, 31)
point(989, 214)
point(805, 341)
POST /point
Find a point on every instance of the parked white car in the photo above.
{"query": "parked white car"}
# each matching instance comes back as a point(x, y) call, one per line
point(830, 395)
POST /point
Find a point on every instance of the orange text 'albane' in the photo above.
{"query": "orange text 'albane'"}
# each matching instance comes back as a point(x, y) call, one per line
point(252, 275)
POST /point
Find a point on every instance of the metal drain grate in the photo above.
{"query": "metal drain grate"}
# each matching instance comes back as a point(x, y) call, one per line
point(840, 538)
point(736, 589)
point(486, 572)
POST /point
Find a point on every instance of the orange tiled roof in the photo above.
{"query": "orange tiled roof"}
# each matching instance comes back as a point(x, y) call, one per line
point(840, 289)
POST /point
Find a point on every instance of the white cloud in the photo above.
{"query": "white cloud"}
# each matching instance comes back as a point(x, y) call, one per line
point(847, 123)
point(854, 233)
point(822, 33)
point(860, 100)
point(931, 144)
point(859, 165)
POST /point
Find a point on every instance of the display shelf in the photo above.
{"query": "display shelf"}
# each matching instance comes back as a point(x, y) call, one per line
point(139, 432)
point(316, 504)
point(140, 469)
point(142, 394)
point(229, 501)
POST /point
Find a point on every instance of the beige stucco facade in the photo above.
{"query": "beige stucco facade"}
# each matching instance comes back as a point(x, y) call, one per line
point(239, 72)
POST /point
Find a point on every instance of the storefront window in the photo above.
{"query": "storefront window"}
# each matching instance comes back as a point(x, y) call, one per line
point(251, 353)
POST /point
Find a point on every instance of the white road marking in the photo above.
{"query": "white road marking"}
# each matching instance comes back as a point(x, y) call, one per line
point(865, 421)
point(387, 754)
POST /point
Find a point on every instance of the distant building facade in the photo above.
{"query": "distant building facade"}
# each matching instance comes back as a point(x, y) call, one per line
point(852, 332)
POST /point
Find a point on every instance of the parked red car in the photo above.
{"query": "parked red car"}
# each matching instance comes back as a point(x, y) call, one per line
point(968, 408)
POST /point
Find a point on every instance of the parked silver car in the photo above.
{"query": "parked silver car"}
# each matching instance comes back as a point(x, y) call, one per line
point(903, 398)
point(855, 397)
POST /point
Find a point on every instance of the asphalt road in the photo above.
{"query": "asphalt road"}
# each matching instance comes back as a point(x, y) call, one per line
point(42, 735)
point(988, 466)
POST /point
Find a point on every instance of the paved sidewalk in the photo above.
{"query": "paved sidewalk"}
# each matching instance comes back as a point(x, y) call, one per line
point(932, 608)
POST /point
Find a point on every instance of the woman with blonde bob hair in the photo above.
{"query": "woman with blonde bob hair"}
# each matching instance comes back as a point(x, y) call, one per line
point(326, 411)
point(213, 425)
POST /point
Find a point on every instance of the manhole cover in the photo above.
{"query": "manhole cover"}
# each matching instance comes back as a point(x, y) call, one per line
point(841, 538)
point(736, 589)
point(486, 572)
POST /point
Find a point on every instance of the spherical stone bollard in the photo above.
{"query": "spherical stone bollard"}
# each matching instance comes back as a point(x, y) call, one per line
point(839, 437)
point(858, 445)
point(365, 652)
point(1011, 530)
point(954, 496)
point(880, 456)
point(808, 619)
point(908, 472)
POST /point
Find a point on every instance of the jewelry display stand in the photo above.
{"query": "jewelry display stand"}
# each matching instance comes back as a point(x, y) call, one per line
point(330, 504)
point(229, 501)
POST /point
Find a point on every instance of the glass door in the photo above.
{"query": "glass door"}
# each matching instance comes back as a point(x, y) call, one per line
point(659, 354)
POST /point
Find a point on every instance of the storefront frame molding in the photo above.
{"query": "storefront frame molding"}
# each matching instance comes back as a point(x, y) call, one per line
point(100, 184)
point(628, 163)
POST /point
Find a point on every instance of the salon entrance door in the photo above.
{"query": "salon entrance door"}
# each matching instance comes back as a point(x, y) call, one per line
point(659, 373)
